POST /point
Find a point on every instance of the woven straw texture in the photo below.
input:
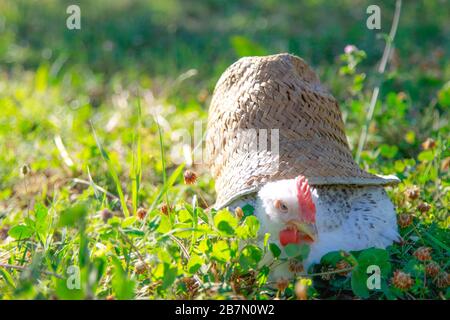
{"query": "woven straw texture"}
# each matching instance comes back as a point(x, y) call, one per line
point(304, 131)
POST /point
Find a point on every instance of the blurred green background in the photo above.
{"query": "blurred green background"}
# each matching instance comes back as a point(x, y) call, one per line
point(177, 50)
point(53, 80)
point(57, 84)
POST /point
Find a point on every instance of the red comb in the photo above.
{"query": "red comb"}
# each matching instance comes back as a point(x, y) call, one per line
point(306, 204)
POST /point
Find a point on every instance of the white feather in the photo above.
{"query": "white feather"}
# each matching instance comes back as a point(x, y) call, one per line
point(348, 218)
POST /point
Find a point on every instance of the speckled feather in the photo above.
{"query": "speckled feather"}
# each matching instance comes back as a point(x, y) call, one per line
point(352, 218)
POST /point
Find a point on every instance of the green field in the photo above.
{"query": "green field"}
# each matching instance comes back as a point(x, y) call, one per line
point(90, 122)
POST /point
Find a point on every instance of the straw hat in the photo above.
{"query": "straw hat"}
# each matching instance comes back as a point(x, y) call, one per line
point(270, 118)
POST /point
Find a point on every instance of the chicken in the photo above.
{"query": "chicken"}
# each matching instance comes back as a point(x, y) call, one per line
point(327, 217)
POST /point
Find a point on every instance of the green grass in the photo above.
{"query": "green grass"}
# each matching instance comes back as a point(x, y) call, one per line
point(97, 114)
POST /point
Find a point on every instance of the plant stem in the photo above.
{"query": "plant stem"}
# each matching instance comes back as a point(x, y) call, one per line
point(22, 268)
point(322, 273)
point(96, 187)
point(381, 69)
point(141, 258)
point(327, 272)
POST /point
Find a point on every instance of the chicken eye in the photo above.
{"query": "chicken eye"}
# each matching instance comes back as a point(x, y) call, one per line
point(281, 206)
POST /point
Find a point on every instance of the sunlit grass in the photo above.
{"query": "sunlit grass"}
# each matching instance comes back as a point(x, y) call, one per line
point(106, 195)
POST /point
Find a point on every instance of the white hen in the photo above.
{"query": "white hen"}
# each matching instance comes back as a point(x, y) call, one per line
point(338, 217)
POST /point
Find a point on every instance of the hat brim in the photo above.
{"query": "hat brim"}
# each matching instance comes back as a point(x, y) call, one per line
point(223, 200)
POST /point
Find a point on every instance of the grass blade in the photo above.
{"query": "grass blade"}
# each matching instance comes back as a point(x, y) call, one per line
point(173, 177)
point(163, 160)
point(112, 172)
point(136, 168)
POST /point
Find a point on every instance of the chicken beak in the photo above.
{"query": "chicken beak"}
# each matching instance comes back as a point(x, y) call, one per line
point(309, 229)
